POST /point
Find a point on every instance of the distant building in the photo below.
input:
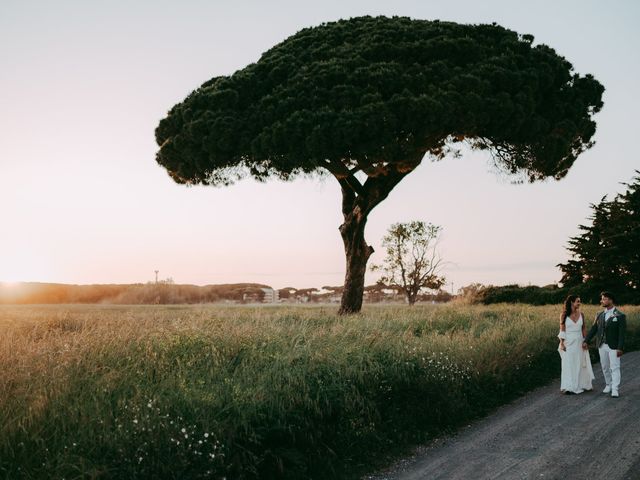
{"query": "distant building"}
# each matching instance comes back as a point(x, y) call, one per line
point(250, 298)
point(270, 295)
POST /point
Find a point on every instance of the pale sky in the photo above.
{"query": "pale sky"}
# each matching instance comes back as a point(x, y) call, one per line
point(84, 84)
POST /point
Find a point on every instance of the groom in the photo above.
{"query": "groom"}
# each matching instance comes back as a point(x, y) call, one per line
point(609, 329)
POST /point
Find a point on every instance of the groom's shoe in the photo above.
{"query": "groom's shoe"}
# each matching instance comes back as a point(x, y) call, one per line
point(614, 394)
point(607, 389)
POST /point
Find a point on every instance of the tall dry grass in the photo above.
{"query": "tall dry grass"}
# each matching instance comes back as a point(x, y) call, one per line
point(254, 392)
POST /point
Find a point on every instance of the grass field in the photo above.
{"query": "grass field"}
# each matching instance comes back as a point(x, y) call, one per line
point(255, 392)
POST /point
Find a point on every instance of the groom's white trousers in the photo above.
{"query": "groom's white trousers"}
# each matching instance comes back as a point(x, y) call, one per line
point(610, 363)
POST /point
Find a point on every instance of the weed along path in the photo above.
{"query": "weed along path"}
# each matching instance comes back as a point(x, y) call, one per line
point(543, 435)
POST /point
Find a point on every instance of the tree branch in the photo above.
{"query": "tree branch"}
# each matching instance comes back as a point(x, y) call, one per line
point(378, 187)
point(345, 176)
point(348, 197)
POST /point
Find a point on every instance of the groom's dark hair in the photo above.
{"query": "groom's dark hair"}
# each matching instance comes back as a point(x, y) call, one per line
point(608, 295)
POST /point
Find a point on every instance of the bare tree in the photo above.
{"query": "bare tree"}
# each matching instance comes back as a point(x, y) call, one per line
point(412, 262)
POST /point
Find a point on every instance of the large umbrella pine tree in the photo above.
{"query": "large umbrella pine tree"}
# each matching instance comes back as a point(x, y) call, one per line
point(376, 95)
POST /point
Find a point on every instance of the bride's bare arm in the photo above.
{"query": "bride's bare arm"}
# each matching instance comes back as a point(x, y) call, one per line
point(561, 335)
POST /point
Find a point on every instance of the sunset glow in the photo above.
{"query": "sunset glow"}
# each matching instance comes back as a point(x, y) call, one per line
point(83, 86)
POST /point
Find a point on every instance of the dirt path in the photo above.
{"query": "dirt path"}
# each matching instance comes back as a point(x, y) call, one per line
point(544, 435)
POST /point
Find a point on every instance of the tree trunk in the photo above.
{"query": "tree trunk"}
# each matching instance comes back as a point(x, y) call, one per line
point(412, 293)
point(411, 299)
point(357, 202)
point(357, 254)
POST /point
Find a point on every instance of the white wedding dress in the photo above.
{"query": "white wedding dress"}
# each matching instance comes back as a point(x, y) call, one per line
point(577, 373)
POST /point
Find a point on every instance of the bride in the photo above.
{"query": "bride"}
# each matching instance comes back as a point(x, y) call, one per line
point(577, 373)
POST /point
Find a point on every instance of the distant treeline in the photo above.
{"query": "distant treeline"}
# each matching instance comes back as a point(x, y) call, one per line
point(532, 295)
point(152, 293)
point(169, 293)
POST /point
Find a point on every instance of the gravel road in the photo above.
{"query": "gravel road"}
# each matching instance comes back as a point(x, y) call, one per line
point(543, 435)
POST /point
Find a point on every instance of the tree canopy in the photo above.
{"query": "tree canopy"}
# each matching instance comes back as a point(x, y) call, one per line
point(374, 95)
point(373, 92)
point(606, 254)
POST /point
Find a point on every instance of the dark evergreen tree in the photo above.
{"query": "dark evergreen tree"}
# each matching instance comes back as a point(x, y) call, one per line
point(606, 254)
point(373, 97)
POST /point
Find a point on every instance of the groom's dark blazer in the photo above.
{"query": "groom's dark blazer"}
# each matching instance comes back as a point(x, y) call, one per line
point(610, 332)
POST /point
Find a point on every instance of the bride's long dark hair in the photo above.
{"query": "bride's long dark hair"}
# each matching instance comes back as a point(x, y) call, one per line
point(566, 311)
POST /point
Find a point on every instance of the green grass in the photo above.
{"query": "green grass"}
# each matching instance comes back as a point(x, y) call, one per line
point(255, 392)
